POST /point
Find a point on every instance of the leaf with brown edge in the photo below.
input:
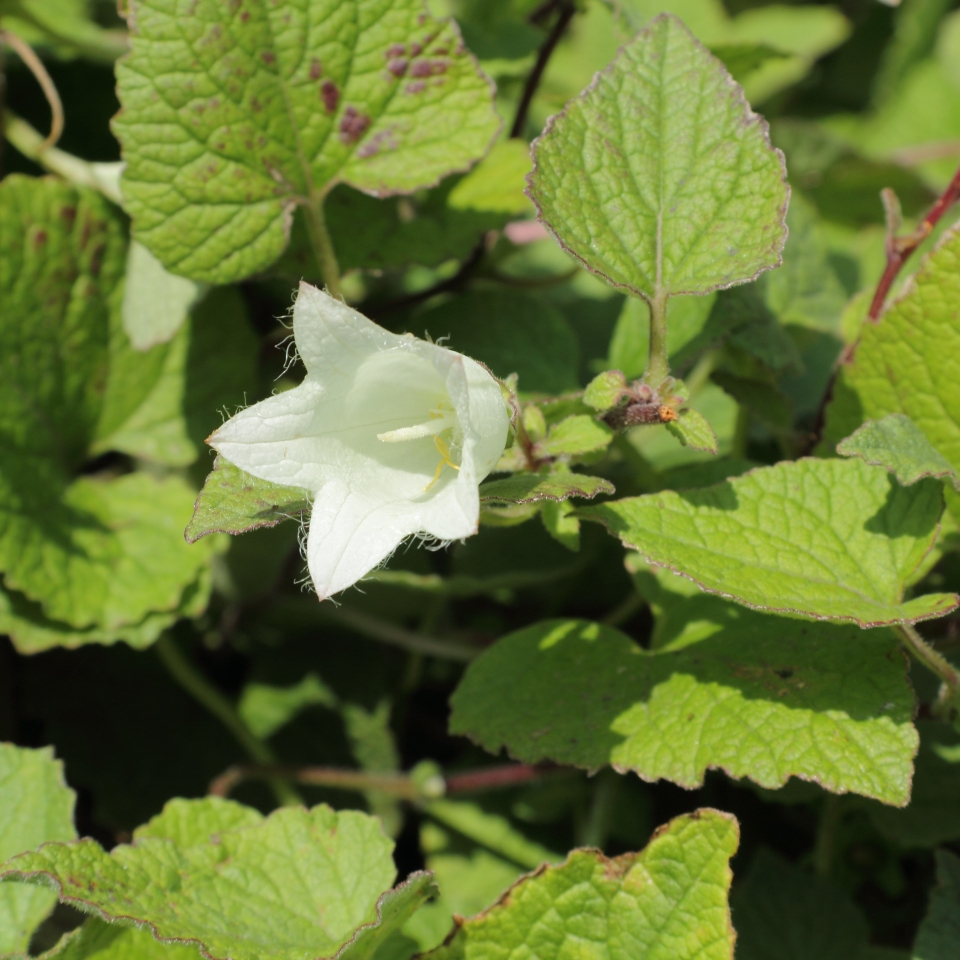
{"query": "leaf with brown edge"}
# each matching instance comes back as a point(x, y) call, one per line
point(232, 501)
point(536, 487)
point(828, 539)
point(670, 900)
point(297, 885)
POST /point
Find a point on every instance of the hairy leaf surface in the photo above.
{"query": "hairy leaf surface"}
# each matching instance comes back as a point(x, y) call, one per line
point(234, 116)
point(897, 444)
point(668, 902)
point(232, 501)
point(37, 807)
point(760, 697)
point(831, 539)
point(659, 177)
point(297, 885)
point(909, 362)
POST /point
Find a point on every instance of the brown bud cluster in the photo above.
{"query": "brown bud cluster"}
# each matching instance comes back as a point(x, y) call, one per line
point(637, 412)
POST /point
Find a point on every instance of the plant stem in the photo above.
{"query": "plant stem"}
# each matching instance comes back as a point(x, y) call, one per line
point(209, 697)
point(823, 851)
point(35, 65)
point(387, 632)
point(398, 785)
point(567, 10)
point(74, 170)
point(658, 362)
point(597, 826)
point(936, 663)
point(323, 245)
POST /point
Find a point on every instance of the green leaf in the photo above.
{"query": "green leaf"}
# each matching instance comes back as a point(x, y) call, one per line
point(496, 183)
point(670, 900)
point(805, 32)
point(933, 816)
point(536, 487)
point(782, 911)
point(110, 941)
point(917, 337)
point(939, 933)
point(491, 831)
point(829, 539)
point(265, 708)
point(37, 807)
point(511, 332)
point(384, 98)
point(604, 391)
point(297, 885)
point(232, 501)
point(806, 290)
point(107, 554)
point(375, 750)
point(62, 255)
point(155, 301)
point(560, 523)
point(32, 632)
point(210, 366)
point(924, 109)
point(897, 444)
point(760, 697)
point(659, 177)
point(573, 436)
point(468, 884)
point(742, 59)
point(692, 430)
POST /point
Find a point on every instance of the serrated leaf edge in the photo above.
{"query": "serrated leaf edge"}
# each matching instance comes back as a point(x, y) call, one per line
point(751, 116)
point(47, 879)
point(864, 625)
point(605, 487)
point(621, 864)
point(697, 783)
point(948, 474)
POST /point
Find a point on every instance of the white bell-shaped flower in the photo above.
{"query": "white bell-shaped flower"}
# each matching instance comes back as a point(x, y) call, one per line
point(390, 434)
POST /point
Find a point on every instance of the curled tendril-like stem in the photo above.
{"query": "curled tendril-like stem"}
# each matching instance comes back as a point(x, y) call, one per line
point(35, 65)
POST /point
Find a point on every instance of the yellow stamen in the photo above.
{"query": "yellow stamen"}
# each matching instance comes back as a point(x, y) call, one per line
point(445, 461)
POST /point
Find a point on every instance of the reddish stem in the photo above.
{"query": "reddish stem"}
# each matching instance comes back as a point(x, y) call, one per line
point(399, 785)
point(900, 248)
point(489, 778)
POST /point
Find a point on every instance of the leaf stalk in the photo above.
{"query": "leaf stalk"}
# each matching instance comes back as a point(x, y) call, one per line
point(323, 245)
point(658, 362)
point(937, 664)
point(209, 697)
point(402, 786)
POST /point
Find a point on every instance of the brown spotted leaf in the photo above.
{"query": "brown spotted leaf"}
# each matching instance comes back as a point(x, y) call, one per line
point(235, 113)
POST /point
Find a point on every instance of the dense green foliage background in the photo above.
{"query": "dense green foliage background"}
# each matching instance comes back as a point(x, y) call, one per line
point(153, 667)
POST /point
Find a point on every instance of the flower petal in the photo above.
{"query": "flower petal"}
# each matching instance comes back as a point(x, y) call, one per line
point(352, 533)
point(334, 339)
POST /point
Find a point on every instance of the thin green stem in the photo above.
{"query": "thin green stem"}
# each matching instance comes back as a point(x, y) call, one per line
point(823, 852)
point(323, 245)
point(936, 663)
point(599, 819)
point(79, 172)
point(209, 697)
point(658, 363)
point(387, 632)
